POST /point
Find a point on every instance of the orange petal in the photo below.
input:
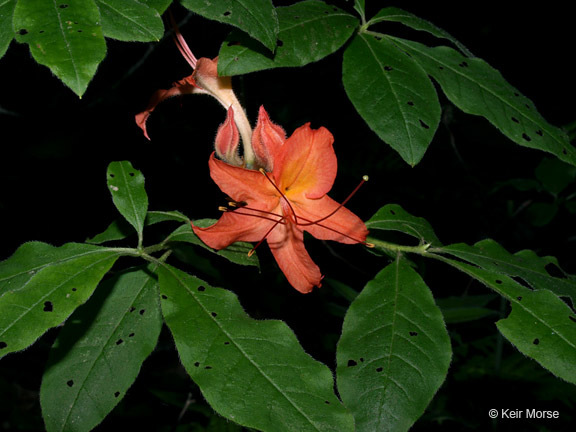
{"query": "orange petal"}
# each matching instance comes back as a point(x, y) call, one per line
point(242, 184)
point(342, 225)
point(184, 86)
point(307, 164)
point(233, 227)
point(287, 245)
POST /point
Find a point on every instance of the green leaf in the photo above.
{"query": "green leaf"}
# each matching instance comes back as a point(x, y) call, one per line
point(126, 185)
point(411, 20)
point(120, 229)
point(540, 325)
point(309, 30)
point(255, 17)
point(65, 36)
point(252, 372)
point(99, 352)
point(395, 218)
point(394, 352)
point(532, 269)
point(359, 6)
point(236, 252)
point(41, 285)
point(544, 328)
point(392, 93)
point(6, 29)
point(476, 88)
point(130, 20)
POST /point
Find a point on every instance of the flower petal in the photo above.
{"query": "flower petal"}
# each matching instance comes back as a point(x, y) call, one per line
point(341, 225)
point(242, 184)
point(307, 164)
point(184, 86)
point(287, 245)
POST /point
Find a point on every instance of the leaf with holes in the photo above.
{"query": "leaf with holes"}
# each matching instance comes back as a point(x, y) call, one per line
point(236, 252)
point(540, 325)
point(130, 20)
point(476, 88)
point(6, 30)
point(408, 19)
point(42, 285)
point(65, 36)
point(395, 218)
point(309, 31)
point(392, 93)
point(126, 185)
point(252, 372)
point(121, 229)
point(394, 352)
point(99, 352)
point(532, 269)
point(255, 17)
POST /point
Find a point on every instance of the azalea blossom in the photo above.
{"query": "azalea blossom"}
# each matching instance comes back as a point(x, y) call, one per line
point(286, 196)
point(277, 186)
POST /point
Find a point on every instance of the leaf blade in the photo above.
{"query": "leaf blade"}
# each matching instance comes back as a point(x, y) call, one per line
point(476, 88)
point(126, 185)
point(252, 372)
point(394, 351)
point(255, 17)
point(98, 353)
point(392, 93)
point(45, 296)
point(130, 20)
point(67, 38)
point(309, 31)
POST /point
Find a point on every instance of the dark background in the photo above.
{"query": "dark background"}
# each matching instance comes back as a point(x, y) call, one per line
point(56, 147)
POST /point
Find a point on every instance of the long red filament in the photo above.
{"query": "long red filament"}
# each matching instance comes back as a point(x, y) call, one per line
point(282, 218)
point(181, 44)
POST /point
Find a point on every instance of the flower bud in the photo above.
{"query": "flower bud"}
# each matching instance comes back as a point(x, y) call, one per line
point(227, 140)
point(267, 138)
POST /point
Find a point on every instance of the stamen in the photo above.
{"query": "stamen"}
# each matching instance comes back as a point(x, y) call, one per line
point(263, 171)
point(364, 180)
point(282, 219)
point(181, 43)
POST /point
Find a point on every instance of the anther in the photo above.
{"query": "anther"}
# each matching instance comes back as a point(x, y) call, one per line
point(223, 209)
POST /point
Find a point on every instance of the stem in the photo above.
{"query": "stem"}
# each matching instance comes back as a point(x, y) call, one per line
point(420, 249)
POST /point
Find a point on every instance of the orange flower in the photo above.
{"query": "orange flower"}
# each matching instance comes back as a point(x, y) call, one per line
point(284, 198)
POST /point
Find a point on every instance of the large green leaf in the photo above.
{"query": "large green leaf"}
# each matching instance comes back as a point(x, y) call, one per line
point(476, 88)
point(42, 285)
point(6, 29)
point(100, 350)
point(255, 17)
point(398, 15)
point(252, 372)
point(65, 36)
point(392, 93)
point(126, 185)
point(309, 30)
point(130, 20)
point(120, 229)
point(540, 325)
point(394, 352)
point(528, 266)
point(159, 5)
point(395, 218)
